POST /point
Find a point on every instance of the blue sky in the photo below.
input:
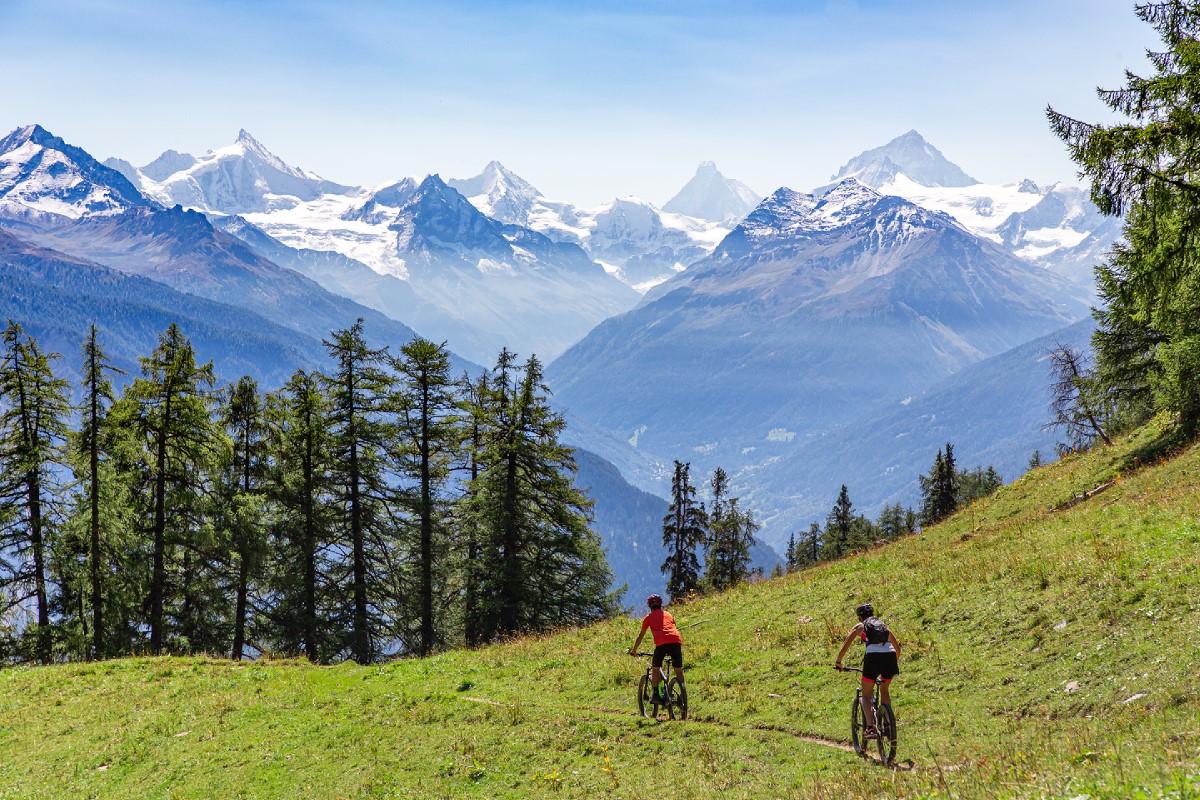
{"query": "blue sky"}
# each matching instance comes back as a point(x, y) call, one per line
point(586, 100)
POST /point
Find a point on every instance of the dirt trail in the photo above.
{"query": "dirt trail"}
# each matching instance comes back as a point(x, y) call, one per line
point(804, 737)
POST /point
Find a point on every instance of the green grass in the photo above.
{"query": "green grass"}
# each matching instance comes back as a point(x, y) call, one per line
point(1046, 653)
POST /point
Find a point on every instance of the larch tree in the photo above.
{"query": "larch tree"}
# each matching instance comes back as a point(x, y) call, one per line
point(34, 409)
point(431, 432)
point(548, 567)
point(359, 390)
point(1146, 167)
point(167, 408)
point(103, 504)
point(685, 531)
point(243, 506)
point(300, 565)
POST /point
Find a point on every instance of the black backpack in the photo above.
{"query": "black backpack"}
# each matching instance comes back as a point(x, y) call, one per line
point(876, 631)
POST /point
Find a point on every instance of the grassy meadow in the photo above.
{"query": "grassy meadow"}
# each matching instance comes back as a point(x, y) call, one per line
point(1051, 648)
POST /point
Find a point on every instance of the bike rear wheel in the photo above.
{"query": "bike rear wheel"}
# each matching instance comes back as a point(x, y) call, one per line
point(677, 703)
point(646, 705)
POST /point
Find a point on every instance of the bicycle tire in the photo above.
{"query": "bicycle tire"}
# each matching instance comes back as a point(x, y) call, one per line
point(646, 705)
point(887, 733)
point(677, 703)
point(857, 725)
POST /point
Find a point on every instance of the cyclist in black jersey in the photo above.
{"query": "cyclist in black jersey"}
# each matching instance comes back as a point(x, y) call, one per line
point(879, 662)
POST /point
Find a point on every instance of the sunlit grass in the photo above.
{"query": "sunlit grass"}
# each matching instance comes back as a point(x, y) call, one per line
point(1046, 653)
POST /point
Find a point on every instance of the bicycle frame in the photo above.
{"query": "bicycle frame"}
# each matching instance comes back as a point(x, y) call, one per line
point(675, 694)
point(885, 722)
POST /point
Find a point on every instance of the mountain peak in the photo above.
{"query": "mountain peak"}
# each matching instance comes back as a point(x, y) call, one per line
point(499, 193)
point(711, 196)
point(41, 172)
point(909, 155)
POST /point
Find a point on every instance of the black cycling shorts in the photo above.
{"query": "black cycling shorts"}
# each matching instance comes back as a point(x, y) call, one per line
point(672, 649)
point(882, 665)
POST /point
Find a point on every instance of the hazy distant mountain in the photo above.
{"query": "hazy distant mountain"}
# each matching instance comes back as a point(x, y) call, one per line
point(992, 411)
point(710, 195)
point(499, 193)
point(809, 313)
point(645, 244)
point(525, 290)
point(241, 178)
point(182, 250)
point(908, 155)
point(56, 297)
point(42, 175)
point(640, 244)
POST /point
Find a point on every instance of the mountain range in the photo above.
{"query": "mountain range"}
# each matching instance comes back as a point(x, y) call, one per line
point(720, 328)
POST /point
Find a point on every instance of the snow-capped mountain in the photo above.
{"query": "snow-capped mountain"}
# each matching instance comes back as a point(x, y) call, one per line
point(635, 241)
point(1056, 227)
point(812, 311)
point(241, 178)
point(908, 154)
point(643, 245)
point(42, 176)
point(482, 284)
point(500, 194)
point(710, 195)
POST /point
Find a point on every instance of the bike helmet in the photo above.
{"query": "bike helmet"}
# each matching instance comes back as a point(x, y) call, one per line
point(865, 610)
point(654, 601)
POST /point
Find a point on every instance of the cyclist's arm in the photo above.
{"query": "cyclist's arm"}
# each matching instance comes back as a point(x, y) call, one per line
point(846, 644)
point(633, 650)
point(895, 644)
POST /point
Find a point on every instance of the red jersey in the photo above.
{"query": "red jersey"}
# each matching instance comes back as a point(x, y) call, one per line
point(662, 625)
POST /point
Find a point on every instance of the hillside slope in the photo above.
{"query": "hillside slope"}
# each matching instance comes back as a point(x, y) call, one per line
point(1049, 650)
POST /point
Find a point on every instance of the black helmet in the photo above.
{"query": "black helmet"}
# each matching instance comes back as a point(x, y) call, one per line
point(654, 601)
point(865, 610)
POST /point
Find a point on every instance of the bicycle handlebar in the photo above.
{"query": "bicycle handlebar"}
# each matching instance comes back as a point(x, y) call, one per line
point(847, 669)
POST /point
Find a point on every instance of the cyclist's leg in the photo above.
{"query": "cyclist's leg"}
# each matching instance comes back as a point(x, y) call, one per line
point(656, 674)
point(868, 701)
point(885, 697)
point(677, 661)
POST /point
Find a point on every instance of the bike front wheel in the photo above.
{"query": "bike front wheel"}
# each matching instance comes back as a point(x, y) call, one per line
point(886, 721)
point(677, 702)
point(646, 707)
point(857, 725)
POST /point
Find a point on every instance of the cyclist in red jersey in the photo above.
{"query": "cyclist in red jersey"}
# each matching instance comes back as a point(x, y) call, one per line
point(667, 642)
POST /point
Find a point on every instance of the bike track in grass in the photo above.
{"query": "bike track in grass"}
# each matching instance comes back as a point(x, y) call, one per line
point(804, 737)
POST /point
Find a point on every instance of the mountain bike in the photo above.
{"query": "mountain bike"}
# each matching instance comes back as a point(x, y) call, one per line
point(676, 703)
point(885, 725)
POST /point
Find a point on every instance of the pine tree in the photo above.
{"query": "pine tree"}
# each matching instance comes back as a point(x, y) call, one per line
point(1147, 167)
point(547, 566)
point(976, 484)
point(34, 408)
point(839, 527)
point(939, 489)
point(167, 409)
point(243, 498)
point(102, 500)
point(1074, 399)
point(731, 534)
point(359, 395)
point(469, 528)
point(685, 530)
point(431, 430)
point(300, 572)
